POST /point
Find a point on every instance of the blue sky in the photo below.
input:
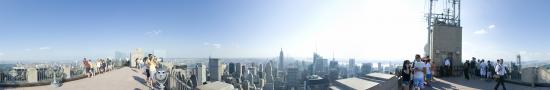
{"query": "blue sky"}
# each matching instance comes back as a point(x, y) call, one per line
point(366, 29)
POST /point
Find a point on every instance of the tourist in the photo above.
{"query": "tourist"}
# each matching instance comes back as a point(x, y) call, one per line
point(98, 66)
point(138, 64)
point(473, 66)
point(489, 70)
point(499, 69)
point(406, 75)
point(467, 70)
point(428, 72)
point(86, 67)
point(152, 62)
point(419, 70)
point(482, 68)
point(447, 66)
point(92, 67)
point(147, 71)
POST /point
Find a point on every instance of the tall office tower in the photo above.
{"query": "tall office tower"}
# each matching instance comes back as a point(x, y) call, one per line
point(281, 63)
point(317, 64)
point(232, 68)
point(243, 74)
point(351, 68)
point(214, 66)
point(238, 71)
point(380, 68)
point(519, 61)
point(333, 70)
point(200, 71)
point(366, 68)
point(293, 80)
point(269, 76)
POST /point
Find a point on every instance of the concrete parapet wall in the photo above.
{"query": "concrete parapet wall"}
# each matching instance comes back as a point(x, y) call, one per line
point(32, 75)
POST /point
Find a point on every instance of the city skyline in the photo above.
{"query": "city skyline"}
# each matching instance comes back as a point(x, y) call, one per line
point(45, 30)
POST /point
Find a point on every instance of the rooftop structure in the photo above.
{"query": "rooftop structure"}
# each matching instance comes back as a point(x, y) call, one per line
point(216, 86)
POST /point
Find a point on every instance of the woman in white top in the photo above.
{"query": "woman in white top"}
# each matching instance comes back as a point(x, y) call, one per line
point(419, 69)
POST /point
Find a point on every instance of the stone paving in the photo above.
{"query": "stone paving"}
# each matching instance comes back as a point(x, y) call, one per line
point(459, 83)
point(120, 79)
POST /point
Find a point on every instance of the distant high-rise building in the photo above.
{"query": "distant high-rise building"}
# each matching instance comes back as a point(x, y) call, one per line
point(120, 55)
point(333, 70)
point(215, 68)
point(318, 64)
point(269, 76)
point(380, 68)
point(238, 72)
point(200, 71)
point(519, 61)
point(293, 80)
point(136, 54)
point(366, 68)
point(232, 68)
point(281, 62)
point(351, 66)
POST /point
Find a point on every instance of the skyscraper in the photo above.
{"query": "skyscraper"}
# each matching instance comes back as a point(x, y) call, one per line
point(281, 63)
point(366, 68)
point(232, 68)
point(214, 66)
point(269, 76)
point(200, 72)
point(380, 68)
point(351, 68)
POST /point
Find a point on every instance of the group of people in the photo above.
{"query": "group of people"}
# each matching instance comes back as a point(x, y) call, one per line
point(486, 70)
point(99, 66)
point(417, 74)
point(149, 66)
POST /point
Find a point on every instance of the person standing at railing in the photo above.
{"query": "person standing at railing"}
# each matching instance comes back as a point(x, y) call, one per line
point(87, 67)
point(152, 65)
point(467, 70)
point(483, 67)
point(92, 67)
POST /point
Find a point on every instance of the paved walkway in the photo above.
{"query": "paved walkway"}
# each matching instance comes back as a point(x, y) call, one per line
point(120, 79)
point(459, 83)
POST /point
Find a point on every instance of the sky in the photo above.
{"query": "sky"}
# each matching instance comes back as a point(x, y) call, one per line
point(362, 29)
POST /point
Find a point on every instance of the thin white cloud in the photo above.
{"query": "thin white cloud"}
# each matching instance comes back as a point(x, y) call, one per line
point(482, 31)
point(28, 49)
point(45, 48)
point(1, 54)
point(214, 45)
point(153, 33)
point(485, 30)
point(491, 26)
point(217, 45)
